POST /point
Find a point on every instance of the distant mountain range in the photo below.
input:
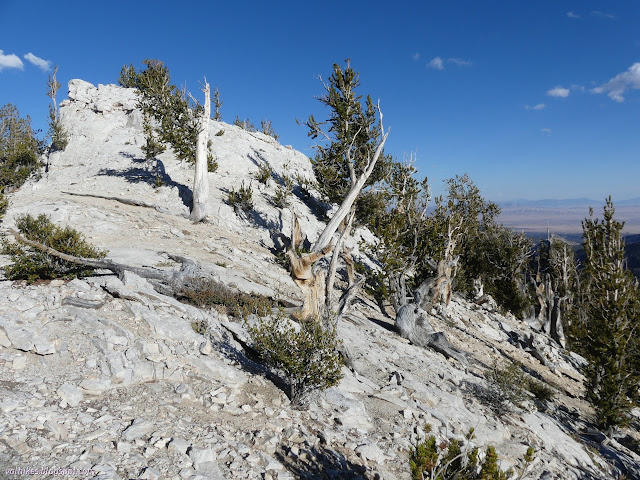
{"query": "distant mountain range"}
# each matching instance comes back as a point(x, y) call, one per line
point(567, 202)
point(565, 216)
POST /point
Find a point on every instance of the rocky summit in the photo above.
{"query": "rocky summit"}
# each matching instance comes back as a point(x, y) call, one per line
point(106, 377)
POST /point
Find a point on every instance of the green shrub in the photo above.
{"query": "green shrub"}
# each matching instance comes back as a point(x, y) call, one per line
point(212, 163)
point(204, 292)
point(241, 199)
point(19, 148)
point(281, 197)
point(220, 133)
point(4, 203)
point(308, 358)
point(451, 459)
point(199, 327)
point(542, 392)
point(31, 264)
point(265, 172)
point(506, 386)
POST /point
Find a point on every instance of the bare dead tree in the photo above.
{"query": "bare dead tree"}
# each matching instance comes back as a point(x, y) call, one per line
point(200, 181)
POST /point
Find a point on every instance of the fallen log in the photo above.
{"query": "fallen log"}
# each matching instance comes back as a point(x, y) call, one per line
point(172, 278)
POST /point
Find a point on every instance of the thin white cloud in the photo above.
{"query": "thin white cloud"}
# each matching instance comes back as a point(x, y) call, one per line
point(618, 85)
point(558, 92)
point(598, 13)
point(10, 61)
point(546, 131)
point(573, 15)
point(460, 62)
point(45, 65)
point(416, 56)
point(539, 106)
point(436, 63)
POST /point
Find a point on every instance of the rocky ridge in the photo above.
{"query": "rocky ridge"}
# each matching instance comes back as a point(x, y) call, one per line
point(108, 375)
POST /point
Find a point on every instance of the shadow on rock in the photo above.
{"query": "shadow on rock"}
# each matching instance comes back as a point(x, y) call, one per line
point(319, 463)
point(149, 175)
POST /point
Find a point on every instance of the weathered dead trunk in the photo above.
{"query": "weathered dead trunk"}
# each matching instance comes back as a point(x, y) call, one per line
point(200, 181)
point(551, 305)
point(310, 282)
point(437, 290)
point(413, 324)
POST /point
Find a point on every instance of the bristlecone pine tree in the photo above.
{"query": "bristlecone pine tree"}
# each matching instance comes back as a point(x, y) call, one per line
point(177, 120)
point(609, 317)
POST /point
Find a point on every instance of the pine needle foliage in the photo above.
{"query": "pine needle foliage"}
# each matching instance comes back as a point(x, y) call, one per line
point(607, 330)
point(451, 459)
point(217, 104)
point(174, 116)
point(353, 134)
point(19, 148)
point(506, 386)
point(308, 357)
point(31, 264)
point(241, 199)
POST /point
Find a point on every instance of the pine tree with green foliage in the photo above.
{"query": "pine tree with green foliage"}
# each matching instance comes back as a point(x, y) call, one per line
point(607, 330)
point(175, 117)
point(19, 148)
point(396, 214)
point(353, 134)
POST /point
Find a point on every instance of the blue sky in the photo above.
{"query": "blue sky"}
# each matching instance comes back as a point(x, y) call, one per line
point(533, 99)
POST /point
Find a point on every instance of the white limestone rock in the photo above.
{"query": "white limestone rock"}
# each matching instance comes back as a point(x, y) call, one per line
point(70, 394)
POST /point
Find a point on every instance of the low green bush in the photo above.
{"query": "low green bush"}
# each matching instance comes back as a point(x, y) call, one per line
point(4, 203)
point(31, 264)
point(506, 386)
point(265, 172)
point(241, 199)
point(307, 357)
point(542, 392)
point(451, 459)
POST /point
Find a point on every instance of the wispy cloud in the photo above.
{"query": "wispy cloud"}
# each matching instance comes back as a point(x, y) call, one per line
point(598, 13)
point(436, 63)
point(10, 61)
point(558, 92)
point(546, 131)
point(539, 106)
point(460, 62)
point(573, 15)
point(618, 85)
point(45, 65)
point(416, 56)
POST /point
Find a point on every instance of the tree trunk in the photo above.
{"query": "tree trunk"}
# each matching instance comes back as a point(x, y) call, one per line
point(200, 181)
point(337, 252)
